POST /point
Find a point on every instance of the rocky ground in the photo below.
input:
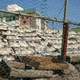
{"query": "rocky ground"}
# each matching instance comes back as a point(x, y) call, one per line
point(20, 41)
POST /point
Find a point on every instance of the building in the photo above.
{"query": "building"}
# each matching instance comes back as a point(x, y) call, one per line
point(23, 19)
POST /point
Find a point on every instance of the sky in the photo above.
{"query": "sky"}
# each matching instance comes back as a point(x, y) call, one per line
point(51, 8)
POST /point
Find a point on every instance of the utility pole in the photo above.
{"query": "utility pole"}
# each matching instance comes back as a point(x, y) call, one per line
point(65, 33)
point(65, 10)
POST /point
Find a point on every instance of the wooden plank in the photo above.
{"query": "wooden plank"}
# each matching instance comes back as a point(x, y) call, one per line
point(15, 64)
point(44, 63)
point(30, 73)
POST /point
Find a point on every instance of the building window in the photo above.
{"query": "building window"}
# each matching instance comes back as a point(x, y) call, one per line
point(0, 19)
point(8, 18)
point(13, 18)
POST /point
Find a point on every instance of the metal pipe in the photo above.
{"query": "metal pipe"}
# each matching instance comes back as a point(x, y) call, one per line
point(64, 41)
point(65, 33)
point(65, 11)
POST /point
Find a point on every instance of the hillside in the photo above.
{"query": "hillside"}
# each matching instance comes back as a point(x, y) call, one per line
point(76, 29)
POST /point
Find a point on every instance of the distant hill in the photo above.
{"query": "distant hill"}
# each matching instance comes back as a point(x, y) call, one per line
point(76, 29)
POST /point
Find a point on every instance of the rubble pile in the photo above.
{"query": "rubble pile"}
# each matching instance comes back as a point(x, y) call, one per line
point(21, 41)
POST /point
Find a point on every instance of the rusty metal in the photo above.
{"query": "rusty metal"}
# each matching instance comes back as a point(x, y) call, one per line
point(65, 32)
point(64, 41)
